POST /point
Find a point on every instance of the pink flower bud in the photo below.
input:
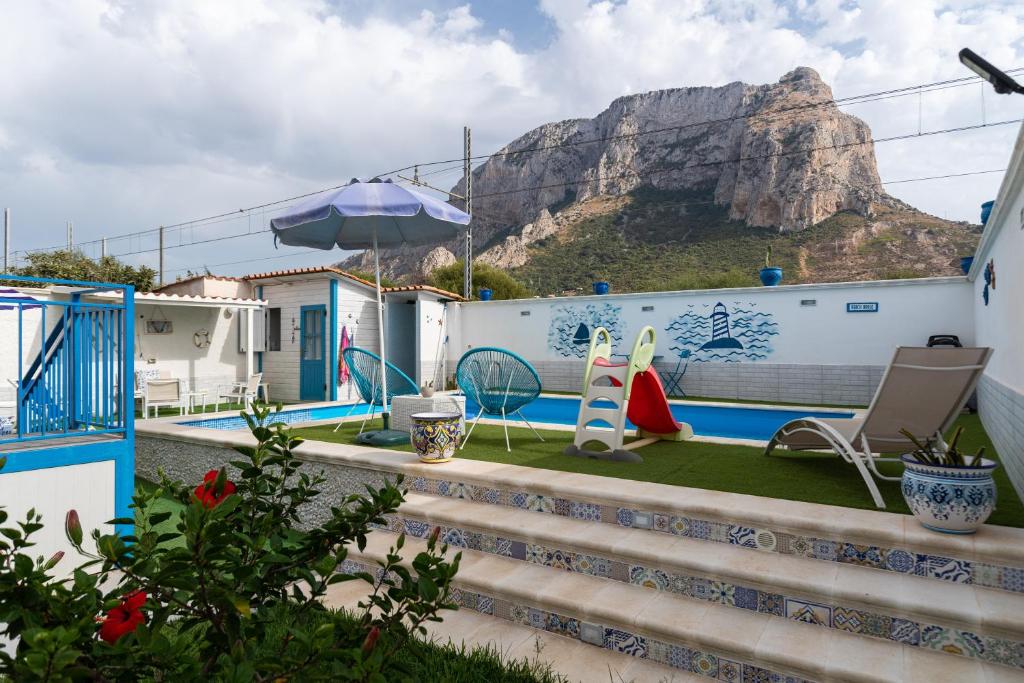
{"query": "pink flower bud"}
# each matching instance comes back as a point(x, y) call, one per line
point(73, 528)
point(371, 640)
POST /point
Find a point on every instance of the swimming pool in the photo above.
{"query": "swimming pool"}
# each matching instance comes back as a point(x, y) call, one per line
point(729, 421)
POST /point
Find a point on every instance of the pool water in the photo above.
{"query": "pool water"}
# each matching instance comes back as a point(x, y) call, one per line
point(734, 422)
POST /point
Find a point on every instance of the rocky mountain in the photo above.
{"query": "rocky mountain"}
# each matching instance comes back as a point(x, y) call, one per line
point(679, 167)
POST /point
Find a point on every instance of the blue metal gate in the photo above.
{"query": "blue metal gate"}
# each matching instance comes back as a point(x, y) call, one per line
point(312, 371)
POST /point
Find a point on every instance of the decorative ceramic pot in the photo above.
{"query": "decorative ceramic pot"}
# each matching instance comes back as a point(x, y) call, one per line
point(435, 436)
point(771, 276)
point(601, 287)
point(986, 211)
point(486, 294)
point(952, 500)
point(426, 391)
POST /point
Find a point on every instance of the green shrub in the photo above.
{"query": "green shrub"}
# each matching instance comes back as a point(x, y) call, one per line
point(504, 286)
point(204, 601)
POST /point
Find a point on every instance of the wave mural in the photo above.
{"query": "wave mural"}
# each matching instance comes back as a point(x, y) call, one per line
point(723, 335)
point(572, 326)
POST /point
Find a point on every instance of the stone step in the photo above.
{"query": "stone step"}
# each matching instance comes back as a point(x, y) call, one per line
point(847, 597)
point(576, 661)
point(894, 543)
point(691, 635)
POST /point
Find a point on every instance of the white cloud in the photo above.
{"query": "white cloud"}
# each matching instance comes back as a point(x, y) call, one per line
point(122, 115)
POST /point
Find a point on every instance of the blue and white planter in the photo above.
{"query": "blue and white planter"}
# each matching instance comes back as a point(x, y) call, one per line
point(951, 500)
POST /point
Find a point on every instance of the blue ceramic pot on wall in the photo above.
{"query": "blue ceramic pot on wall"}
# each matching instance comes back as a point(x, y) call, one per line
point(601, 287)
point(965, 263)
point(435, 436)
point(486, 294)
point(986, 211)
point(771, 276)
point(952, 500)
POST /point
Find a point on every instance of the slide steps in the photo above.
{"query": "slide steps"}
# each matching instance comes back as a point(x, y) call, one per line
point(690, 635)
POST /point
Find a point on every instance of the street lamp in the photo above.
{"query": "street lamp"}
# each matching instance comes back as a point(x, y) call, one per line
point(1003, 84)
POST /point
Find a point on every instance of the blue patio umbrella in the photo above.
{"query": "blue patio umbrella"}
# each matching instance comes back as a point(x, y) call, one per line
point(370, 215)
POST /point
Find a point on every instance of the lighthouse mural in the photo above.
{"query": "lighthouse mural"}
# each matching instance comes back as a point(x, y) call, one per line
point(721, 338)
point(723, 334)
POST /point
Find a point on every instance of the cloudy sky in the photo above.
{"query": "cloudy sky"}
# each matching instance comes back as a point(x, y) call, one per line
point(123, 115)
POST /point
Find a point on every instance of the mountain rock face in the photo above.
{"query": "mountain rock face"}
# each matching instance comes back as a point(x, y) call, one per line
point(779, 156)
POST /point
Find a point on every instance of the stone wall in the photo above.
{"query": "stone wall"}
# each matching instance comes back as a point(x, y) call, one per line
point(188, 461)
point(1002, 413)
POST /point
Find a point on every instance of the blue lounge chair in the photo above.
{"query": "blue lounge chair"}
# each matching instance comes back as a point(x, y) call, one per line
point(500, 382)
point(365, 368)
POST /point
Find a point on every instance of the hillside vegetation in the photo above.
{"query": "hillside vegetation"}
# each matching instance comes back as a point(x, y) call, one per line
point(665, 240)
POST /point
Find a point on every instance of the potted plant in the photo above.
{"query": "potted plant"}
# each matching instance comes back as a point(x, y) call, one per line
point(770, 275)
point(427, 390)
point(947, 490)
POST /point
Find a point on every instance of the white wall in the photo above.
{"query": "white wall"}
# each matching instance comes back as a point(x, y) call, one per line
point(1000, 324)
point(88, 488)
point(207, 368)
point(823, 334)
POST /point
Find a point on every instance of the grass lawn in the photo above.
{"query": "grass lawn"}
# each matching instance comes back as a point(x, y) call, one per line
point(812, 477)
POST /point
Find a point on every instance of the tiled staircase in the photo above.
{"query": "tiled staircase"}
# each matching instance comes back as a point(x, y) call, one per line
point(724, 586)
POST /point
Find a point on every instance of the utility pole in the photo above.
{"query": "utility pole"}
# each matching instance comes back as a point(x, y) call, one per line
point(103, 248)
point(7, 239)
point(161, 256)
point(467, 154)
point(71, 236)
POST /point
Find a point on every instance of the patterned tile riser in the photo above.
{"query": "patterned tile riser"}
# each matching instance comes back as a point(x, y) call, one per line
point(887, 559)
point(634, 644)
point(797, 608)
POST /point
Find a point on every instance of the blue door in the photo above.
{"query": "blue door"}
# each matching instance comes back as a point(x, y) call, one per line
point(312, 373)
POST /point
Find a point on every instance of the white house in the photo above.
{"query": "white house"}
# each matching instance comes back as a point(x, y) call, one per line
point(303, 314)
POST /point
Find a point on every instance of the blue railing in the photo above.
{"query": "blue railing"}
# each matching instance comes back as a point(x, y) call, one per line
point(75, 366)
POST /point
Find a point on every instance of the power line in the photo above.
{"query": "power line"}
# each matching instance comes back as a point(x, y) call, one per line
point(851, 100)
point(682, 167)
point(660, 205)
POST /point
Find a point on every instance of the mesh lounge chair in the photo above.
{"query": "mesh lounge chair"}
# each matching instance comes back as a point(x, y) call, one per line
point(923, 391)
point(365, 368)
point(500, 382)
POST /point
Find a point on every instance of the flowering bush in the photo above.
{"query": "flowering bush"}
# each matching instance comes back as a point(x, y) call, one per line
point(208, 599)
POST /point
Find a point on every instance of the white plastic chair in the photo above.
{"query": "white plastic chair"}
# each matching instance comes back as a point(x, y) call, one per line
point(240, 392)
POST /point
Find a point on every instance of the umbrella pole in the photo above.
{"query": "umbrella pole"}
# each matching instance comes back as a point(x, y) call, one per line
point(380, 332)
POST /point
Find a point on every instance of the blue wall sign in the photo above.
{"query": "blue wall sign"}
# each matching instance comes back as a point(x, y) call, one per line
point(862, 307)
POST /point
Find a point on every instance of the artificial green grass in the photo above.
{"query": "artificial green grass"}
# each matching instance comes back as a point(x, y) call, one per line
point(811, 477)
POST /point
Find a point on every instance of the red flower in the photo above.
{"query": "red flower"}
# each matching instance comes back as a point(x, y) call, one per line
point(124, 618)
point(206, 494)
point(371, 640)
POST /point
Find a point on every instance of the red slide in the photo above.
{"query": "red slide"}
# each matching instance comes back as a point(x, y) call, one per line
point(648, 405)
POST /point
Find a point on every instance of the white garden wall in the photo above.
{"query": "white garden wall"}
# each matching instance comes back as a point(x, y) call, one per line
point(794, 343)
point(999, 323)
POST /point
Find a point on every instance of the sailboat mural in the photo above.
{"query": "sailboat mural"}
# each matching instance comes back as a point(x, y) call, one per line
point(742, 333)
point(571, 327)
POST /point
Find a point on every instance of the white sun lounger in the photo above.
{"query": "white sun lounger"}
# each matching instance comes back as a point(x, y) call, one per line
point(923, 391)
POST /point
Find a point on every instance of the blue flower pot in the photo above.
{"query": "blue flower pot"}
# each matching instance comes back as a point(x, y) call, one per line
point(601, 287)
point(965, 263)
point(435, 436)
point(771, 276)
point(986, 211)
point(951, 500)
point(486, 294)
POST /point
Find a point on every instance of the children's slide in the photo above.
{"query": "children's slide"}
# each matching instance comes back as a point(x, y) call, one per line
point(634, 390)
